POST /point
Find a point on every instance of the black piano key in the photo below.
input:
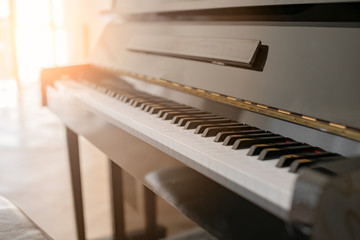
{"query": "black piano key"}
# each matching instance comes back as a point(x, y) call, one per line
point(120, 97)
point(201, 128)
point(182, 121)
point(243, 143)
point(157, 109)
point(154, 102)
point(183, 110)
point(160, 106)
point(220, 137)
point(111, 93)
point(272, 153)
point(257, 148)
point(170, 115)
point(120, 94)
point(299, 163)
point(192, 124)
point(286, 160)
point(147, 106)
point(230, 140)
point(213, 131)
point(116, 95)
point(104, 89)
point(137, 102)
point(125, 99)
point(180, 118)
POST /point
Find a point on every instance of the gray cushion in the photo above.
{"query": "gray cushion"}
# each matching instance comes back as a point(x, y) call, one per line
point(15, 225)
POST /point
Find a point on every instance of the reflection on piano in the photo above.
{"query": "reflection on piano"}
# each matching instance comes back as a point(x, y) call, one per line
point(248, 113)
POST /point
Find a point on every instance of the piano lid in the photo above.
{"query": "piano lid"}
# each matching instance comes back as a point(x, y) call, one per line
point(148, 6)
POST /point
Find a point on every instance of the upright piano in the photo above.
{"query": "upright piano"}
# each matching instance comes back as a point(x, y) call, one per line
point(246, 113)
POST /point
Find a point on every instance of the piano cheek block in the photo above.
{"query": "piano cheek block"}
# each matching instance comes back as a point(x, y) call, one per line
point(216, 209)
point(327, 196)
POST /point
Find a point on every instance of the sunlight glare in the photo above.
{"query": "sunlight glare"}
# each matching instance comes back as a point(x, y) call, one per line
point(8, 94)
point(34, 51)
point(32, 14)
point(61, 47)
point(4, 8)
point(40, 38)
point(58, 14)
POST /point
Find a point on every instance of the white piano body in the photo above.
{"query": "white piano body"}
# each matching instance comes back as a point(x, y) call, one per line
point(288, 67)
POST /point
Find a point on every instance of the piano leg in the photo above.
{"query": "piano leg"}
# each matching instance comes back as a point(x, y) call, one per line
point(152, 231)
point(117, 201)
point(74, 159)
point(151, 228)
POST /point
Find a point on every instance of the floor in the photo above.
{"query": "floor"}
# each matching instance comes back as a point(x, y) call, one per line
point(34, 171)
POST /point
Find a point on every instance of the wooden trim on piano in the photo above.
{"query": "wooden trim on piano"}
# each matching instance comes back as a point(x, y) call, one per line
point(308, 121)
point(49, 75)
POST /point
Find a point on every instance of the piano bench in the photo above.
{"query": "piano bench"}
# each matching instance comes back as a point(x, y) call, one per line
point(15, 225)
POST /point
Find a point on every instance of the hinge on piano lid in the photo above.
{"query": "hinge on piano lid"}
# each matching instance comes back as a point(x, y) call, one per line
point(326, 202)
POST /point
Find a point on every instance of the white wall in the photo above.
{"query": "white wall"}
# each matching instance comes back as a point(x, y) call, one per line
point(84, 24)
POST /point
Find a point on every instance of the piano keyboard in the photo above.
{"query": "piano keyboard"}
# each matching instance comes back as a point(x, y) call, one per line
point(258, 164)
